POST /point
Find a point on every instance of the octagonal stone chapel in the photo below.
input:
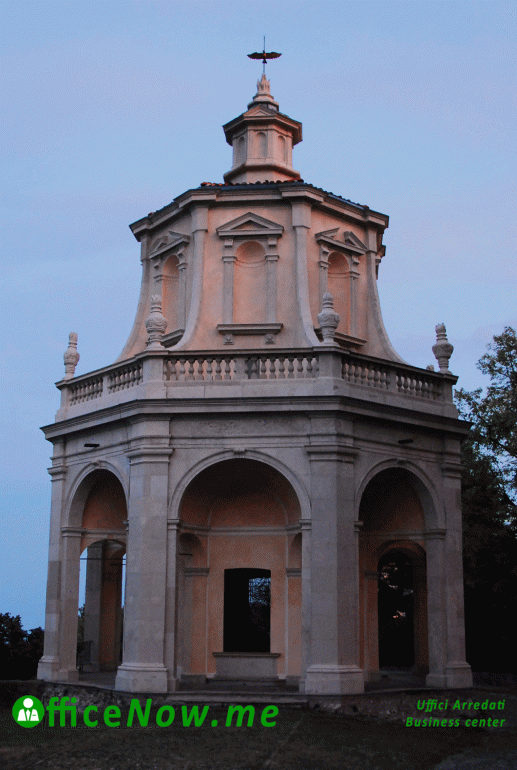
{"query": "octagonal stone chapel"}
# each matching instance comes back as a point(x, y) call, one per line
point(284, 488)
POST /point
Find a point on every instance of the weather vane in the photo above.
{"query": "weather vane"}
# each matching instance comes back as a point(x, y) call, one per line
point(264, 56)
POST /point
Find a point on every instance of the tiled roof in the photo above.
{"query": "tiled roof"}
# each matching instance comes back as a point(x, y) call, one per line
point(248, 185)
point(287, 182)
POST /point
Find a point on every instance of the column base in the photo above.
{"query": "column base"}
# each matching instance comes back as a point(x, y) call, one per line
point(48, 668)
point(132, 677)
point(334, 680)
point(436, 680)
point(459, 675)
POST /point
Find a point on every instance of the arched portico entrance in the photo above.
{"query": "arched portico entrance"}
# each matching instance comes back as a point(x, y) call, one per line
point(101, 648)
point(239, 574)
point(393, 582)
point(94, 525)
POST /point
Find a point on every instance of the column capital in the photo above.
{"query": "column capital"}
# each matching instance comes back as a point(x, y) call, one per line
point(58, 472)
point(149, 454)
point(435, 534)
point(71, 531)
point(332, 451)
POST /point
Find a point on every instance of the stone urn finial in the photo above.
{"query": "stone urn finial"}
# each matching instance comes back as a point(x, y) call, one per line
point(328, 319)
point(155, 324)
point(71, 356)
point(442, 349)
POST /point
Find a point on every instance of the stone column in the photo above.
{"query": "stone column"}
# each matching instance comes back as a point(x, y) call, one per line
point(334, 643)
point(437, 620)
point(228, 283)
point(143, 668)
point(458, 671)
point(271, 265)
point(70, 555)
point(182, 292)
point(49, 665)
point(171, 618)
point(353, 278)
point(323, 264)
point(306, 601)
point(371, 626)
point(92, 604)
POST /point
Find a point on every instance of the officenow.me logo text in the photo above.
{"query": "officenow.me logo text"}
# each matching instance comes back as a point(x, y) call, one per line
point(28, 711)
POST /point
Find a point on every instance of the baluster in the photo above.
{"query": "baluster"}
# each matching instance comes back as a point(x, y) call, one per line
point(281, 367)
point(300, 374)
point(209, 362)
point(217, 368)
point(308, 369)
point(290, 367)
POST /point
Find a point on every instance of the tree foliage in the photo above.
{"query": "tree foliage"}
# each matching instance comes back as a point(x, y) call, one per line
point(489, 456)
point(20, 650)
point(494, 415)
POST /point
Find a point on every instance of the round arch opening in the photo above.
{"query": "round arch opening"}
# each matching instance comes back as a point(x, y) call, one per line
point(393, 582)
point(239, 595)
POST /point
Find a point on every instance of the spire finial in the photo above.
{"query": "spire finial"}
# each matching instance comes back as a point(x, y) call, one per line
point(264, 56)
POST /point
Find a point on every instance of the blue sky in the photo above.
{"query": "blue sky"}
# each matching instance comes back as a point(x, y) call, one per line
point(111, 109)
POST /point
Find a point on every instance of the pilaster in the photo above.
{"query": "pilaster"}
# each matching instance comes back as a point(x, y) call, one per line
point(334, 642)
point(458, 671)
point(437, 619)
point(143, 667)
point(171, 604)
point(49, 664)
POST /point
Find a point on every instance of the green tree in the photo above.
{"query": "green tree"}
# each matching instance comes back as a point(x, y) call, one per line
point(494, 415)
point(489, 456)
point(20, 650)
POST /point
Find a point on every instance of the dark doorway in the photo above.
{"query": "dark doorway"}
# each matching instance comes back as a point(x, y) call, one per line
point(395, 605)
point(247, 610)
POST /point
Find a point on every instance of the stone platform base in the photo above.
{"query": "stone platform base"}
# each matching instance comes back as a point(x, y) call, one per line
point(246, 665)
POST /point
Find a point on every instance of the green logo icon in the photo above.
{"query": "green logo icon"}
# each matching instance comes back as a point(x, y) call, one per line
point(28, 711)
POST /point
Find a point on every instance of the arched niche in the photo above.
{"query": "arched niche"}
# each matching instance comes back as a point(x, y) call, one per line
point(338, 286)
point(240, 151)
point(250, 283)
point(171, 294)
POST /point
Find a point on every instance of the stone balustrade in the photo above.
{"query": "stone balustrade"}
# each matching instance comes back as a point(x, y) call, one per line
point(183, 369)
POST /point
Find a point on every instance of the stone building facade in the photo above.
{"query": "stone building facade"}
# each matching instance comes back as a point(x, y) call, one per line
point(267, 463)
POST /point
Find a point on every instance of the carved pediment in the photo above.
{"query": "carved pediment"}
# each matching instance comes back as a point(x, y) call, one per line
point(250, 226)
point(166, 242)
point(353, 241)
point(350, 244)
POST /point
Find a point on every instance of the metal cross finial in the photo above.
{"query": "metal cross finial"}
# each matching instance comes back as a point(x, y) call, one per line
point(264, 56)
